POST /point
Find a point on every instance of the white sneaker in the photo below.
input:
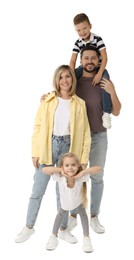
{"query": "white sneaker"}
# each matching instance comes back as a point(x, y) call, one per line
point(96, 226)
point(52, 243)
point(87, 246)
point(106, 119)
point(72, 223)
point(67, 236)
point(24, 234)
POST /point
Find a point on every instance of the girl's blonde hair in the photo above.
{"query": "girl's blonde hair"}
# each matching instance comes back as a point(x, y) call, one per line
point(84, 189)
point(57, 75)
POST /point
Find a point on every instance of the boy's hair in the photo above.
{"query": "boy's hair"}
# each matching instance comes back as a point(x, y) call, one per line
point(84, 190)
point(80, 18)
point(89, 47)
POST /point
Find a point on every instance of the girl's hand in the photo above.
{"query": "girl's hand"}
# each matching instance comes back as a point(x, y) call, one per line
point(64, 174)
point(78, 175)
point(84, 165)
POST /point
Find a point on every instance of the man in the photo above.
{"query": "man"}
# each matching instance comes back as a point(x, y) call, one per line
point(92, 96)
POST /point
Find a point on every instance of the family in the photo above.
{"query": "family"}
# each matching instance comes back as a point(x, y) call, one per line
point(70, 141)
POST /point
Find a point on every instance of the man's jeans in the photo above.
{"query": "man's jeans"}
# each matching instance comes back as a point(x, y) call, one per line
point(97, 157)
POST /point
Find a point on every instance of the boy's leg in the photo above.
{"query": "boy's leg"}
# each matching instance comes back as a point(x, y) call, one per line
point(106, 104)
point(106, 99)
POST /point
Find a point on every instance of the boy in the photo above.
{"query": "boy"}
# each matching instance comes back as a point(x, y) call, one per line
point(83, 26)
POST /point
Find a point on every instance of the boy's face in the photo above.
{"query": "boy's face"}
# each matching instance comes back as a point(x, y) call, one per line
point(83, 30)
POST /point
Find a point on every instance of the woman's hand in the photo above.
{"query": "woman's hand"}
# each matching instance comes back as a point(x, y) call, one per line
point(35, 162)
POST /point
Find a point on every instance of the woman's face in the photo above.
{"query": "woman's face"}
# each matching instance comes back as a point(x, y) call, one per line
point(65, 81)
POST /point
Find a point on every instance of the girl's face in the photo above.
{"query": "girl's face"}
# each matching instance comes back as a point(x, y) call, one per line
point(70, 166)
point(65, 81)
point(83, 30)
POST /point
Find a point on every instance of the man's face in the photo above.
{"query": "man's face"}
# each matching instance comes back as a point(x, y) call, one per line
point(89, 61)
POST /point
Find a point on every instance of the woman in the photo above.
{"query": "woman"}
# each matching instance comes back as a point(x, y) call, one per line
point(61, 126)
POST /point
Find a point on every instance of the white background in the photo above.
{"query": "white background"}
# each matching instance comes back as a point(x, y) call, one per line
point(35, 38)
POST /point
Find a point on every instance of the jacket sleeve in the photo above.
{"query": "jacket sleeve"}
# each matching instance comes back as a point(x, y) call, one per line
point(36, 132)
point(87, 138)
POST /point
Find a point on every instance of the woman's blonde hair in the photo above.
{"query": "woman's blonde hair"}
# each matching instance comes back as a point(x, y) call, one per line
point(57, 75)
point(84, 189)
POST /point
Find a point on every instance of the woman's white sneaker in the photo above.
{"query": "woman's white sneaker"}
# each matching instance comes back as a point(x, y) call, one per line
point(52, 243)
point(87, 246)
point(24, 234)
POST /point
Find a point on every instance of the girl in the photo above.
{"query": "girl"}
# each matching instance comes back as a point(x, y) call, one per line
point(72, 187)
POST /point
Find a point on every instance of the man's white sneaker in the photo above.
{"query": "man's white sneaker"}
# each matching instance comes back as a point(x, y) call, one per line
point(96, 226)
point(67, 236)
point(24, 234)
point(52, 243)
point(87, 246)
point(106, 120)
point(72, 223)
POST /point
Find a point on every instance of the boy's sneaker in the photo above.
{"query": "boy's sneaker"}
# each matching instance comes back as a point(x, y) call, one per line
point(52, 243)
point(24, 234)
point(106, 120)
point(96, 226)
point(67, 236)
point(87, 246)
point(72, 223)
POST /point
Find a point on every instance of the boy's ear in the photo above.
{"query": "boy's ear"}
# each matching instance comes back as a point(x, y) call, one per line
point(90, 26)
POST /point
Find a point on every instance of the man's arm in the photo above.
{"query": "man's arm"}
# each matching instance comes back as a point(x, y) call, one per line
point(108, 86)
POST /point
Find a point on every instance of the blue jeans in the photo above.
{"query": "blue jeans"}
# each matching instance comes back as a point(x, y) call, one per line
point(97, 156)
point(106, 99)
point(60, 145)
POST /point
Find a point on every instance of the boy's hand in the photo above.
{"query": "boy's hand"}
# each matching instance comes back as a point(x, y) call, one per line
point(96, 79)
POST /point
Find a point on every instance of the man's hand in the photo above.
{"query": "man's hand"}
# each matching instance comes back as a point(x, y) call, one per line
point(107, 85)
point(43, 97)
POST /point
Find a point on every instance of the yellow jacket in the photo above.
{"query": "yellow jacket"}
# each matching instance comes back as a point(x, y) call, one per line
point(43, 129)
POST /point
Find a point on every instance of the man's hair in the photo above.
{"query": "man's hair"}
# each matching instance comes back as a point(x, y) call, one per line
point(89, 47)
point(80, 18)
